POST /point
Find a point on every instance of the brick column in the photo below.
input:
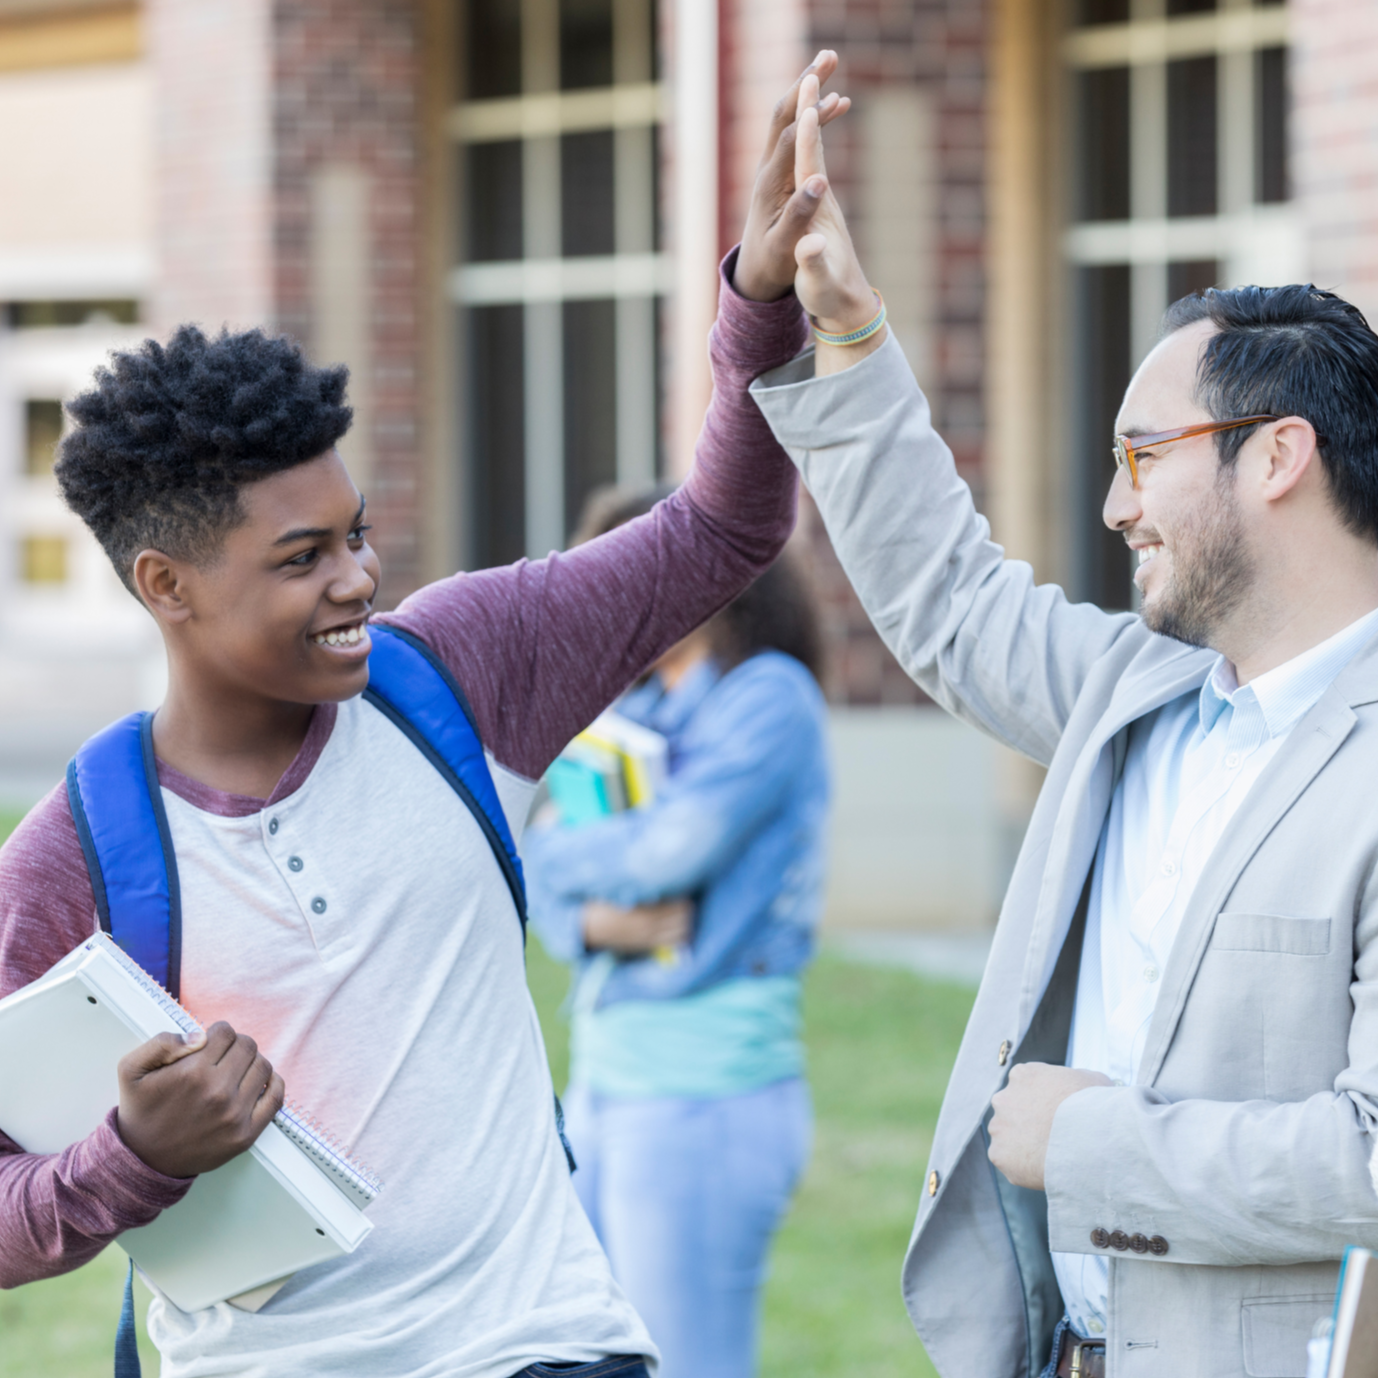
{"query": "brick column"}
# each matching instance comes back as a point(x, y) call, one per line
point(1332, 157)
point(347, 142)
point(289, 197)
point(211, 64)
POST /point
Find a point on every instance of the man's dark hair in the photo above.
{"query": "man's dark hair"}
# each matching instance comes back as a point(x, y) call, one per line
point(776, 612)
point(1293, 351)
point(169, 435)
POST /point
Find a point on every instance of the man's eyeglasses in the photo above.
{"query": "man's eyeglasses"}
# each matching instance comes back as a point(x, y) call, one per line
point(1126, 446)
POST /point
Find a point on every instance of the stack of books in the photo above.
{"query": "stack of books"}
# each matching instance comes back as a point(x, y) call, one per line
point(612, 766)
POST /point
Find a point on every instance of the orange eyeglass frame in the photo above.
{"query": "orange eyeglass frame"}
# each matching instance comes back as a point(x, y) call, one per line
point(1125, 446)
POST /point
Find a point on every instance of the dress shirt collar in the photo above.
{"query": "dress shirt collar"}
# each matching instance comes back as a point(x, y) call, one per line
point(1285, 693)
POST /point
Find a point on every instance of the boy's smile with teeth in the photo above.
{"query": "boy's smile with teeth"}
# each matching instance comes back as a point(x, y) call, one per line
point(352, 635)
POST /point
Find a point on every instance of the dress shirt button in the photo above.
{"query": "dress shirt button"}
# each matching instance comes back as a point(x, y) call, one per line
point(1095, 1325)
point(1151, 973)
point(1232, 761)
point(933, 1183)
point(1003, 1052)
point(295, 863)
point(272, 825)
point(1100, 1238)
point(1119, 1240)
point(1158, 1245)
point(1139, 1243)
point(1167, 867)
point(318, 906)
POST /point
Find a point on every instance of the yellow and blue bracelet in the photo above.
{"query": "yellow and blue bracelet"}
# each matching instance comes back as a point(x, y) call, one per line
point(854, 337)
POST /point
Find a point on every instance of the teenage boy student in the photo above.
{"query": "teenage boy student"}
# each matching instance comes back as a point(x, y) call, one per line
point(346, 927)
point(1156, 1141)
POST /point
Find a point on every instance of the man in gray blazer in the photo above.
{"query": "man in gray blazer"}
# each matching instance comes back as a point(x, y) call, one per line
point(1157, 1138)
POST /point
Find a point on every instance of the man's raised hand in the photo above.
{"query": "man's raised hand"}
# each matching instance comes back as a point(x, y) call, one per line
point(188, 1106)
point(781, 207)
point(829, 280)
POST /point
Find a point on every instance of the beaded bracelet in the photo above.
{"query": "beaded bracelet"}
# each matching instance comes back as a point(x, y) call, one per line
point(854, 337)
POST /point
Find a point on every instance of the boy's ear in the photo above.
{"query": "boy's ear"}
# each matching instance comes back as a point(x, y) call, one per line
point(161, 583)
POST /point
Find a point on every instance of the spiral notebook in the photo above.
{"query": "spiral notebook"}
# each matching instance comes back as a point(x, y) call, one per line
point(292, 1200)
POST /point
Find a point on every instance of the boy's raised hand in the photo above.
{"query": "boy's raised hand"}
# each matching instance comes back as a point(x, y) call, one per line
point(187, 1107)
point(783, 206)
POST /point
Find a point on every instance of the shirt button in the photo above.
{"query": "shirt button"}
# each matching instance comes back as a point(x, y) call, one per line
point(318, 906)
point(1167, 867)
point(1151, 973)
point(1232, 761)
point(1095, 1325)
point(272, 825)
point(933, 1183)
point(295, 863)
point(1003, 1052)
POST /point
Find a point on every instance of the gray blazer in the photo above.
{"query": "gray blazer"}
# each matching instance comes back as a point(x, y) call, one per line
point(1246, 1139)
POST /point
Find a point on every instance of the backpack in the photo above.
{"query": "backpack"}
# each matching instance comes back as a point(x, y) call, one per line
point(117, 805)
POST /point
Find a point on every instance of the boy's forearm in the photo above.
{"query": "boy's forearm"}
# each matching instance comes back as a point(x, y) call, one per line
point(541, 647)
point(59, 1211)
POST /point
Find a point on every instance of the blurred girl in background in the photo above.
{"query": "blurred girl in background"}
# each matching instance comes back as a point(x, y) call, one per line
point(689, 922)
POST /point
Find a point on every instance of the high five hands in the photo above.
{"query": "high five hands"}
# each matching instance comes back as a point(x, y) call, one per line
point(796, 234)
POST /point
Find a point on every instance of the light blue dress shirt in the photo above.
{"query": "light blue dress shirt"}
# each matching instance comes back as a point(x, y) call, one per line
point(1188, 767)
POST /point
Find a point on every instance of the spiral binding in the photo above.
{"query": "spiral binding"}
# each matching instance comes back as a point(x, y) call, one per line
point(302, 1128)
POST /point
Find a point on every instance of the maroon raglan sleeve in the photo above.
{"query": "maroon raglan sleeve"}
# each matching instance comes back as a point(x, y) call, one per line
point(57, 1211)
point(542, 647)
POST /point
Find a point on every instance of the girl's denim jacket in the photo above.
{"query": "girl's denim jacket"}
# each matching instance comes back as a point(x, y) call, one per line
point(739, 826)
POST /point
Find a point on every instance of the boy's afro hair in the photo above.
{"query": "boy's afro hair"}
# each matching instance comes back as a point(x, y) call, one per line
point(170, 433)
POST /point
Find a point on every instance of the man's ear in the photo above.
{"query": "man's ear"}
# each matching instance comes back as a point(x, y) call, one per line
point(1290, 456)
point(162, 585)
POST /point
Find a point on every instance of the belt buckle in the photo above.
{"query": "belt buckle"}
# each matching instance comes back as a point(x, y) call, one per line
point(1075, 1369)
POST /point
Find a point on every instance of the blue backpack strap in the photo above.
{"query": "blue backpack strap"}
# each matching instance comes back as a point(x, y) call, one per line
point(409, 685)
point(117, 805)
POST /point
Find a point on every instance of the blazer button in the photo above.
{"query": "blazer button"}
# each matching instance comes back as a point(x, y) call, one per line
point(1138, 1243)
point(1003, 1052)
point(933, 1183)
point(1158, 1245)
point(1100, 1238)
point(1119, 1240)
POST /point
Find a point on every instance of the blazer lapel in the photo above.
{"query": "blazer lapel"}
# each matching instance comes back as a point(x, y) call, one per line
point(1310, 745)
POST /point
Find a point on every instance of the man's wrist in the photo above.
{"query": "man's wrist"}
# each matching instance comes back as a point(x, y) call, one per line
point(829, 359)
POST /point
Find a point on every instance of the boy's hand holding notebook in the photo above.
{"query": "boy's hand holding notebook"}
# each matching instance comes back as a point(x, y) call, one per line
point(190, 1102)
point(285, 1199)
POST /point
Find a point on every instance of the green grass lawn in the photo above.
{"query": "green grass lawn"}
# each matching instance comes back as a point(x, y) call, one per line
point(880, 1043)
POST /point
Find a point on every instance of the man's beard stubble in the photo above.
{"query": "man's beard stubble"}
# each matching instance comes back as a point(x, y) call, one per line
point(1212, 569)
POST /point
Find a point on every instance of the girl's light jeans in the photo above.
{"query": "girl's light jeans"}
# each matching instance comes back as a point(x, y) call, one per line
point(685, 1196)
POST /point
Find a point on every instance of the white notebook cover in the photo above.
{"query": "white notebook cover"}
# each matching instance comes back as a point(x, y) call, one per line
point(292, 1200)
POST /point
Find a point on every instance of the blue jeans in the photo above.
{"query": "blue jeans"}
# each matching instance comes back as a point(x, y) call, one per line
point(685, 1196)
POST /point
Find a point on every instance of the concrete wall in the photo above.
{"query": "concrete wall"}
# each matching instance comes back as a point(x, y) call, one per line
point(921, 836)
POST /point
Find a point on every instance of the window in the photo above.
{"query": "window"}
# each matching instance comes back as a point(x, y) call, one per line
point(1179, 182)
point(29, 315)
point(559, 269)
point(42, 431)
point(43, 559)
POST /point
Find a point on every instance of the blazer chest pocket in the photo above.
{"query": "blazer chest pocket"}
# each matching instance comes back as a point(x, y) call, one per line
point(1248, 933)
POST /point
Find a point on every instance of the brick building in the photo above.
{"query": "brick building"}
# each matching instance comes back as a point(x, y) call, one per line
point(504, 215)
